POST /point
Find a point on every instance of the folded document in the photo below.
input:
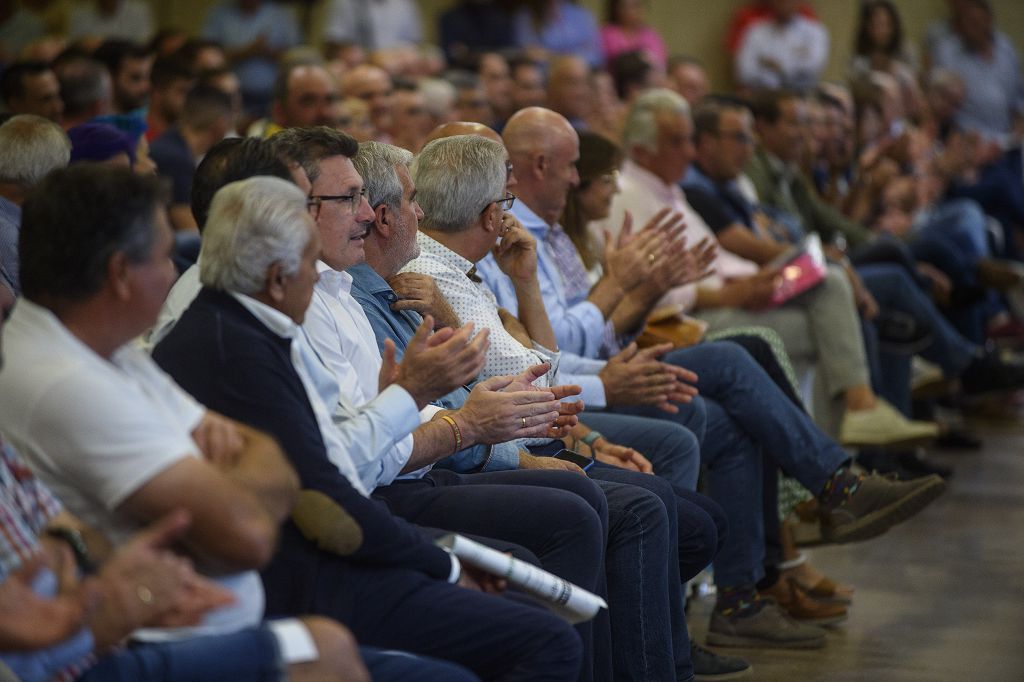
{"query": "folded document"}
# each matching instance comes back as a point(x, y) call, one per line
point(569, 601)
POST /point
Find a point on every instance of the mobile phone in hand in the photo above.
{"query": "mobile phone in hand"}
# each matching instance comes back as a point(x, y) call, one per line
point(576, 458)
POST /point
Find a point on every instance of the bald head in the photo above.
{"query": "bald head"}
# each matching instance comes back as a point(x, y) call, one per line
point(535, 129)
point(371, 84)
point(463, 128)
point(543, 148)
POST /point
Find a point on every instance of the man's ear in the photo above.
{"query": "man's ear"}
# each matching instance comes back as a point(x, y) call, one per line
point(382, 222)
point(276, 281)
point(490, 219)
point(118, 275)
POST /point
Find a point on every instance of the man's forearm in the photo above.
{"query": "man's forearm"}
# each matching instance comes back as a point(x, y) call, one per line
point(606, 295)
point(631, 313)
point(534, 316)
point(262, 470)
point(436, 440)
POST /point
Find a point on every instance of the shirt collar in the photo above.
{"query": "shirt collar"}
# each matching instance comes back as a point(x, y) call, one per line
point(9, 208)
point(273, 319)
point(369, 280)
point(667, 194)
point(531, 221)
point(332, 281)
point(430, 246)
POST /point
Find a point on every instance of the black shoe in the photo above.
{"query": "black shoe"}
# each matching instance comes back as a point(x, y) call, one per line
point(989, 372)
point(883, 462)
point(707, 665)
point(916, 463)
point(900, 333)
point(958, 438)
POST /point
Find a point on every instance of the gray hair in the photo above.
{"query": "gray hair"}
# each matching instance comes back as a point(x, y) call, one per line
point(455, 179)
point(376, 162)
point(253, 224)
point(83, 83)
point(33, 147)
point(438, 96)
point(641, 129)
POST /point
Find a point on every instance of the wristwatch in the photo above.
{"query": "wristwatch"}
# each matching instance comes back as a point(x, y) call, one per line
point(78, 547)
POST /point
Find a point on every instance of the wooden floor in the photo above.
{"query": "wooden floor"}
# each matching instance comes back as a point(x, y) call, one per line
point(940, 597)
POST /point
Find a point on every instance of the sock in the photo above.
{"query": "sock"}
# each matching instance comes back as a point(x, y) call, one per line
point(739, 600)
point(771, 576)
point(839, 488)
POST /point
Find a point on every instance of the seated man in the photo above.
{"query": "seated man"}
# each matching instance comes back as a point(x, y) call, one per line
point(642, 642)
point(261, 240)
point(747, 411)
point(381, 447)
point(118, 441)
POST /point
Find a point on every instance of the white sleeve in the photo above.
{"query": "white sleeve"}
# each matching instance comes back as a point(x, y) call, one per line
point(110, 444)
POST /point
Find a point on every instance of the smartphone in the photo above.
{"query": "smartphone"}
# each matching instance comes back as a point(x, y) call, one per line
point(576, 458)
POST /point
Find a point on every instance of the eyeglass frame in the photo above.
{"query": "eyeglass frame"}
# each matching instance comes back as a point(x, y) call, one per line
point(509, 199)
point(317, 200)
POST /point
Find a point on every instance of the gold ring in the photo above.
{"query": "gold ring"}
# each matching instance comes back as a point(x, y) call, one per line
point(524, 422)
point(144, 594)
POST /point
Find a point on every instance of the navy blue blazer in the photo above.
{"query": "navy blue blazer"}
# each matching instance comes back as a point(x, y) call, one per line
point(232, 363)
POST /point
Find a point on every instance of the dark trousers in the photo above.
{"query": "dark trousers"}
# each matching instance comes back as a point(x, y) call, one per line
point(560, 517)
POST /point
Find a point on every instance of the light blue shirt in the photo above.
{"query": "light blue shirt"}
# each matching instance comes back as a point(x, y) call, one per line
point(572, 31)
point(993, 90)
point(227, 24)
point(579, 329)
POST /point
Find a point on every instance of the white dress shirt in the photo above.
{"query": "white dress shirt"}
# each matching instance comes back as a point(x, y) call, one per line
point(353, 445)
point(799, 47)
point(342, 337)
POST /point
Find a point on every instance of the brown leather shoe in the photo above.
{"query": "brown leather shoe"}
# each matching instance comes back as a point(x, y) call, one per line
point(800, 606)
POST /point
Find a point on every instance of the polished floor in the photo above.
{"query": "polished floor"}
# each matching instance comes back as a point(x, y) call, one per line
point(940, 597)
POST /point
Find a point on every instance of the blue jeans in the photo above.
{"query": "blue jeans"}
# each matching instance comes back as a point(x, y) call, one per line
point(696, 528)
point(675, 456)
point(649, 636)
point(893, 289)
point(249, 654)
point(749, 418)
point(953, 237)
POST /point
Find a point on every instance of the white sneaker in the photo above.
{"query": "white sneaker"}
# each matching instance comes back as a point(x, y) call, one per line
point(883, 425)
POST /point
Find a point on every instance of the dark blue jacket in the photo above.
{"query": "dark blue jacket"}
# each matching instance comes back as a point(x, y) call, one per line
point(232, 363)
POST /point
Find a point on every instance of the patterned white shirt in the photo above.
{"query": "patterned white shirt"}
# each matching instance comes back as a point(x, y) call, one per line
point(472, 301)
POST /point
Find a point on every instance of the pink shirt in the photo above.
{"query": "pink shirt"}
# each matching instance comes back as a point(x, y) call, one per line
point(614, 41)
point(643, 194)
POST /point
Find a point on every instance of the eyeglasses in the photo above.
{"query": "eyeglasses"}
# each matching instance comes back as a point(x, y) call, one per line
point(314, 203)
point(506, 203)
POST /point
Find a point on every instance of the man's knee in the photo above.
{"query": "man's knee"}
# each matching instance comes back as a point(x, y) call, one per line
point(337, 650)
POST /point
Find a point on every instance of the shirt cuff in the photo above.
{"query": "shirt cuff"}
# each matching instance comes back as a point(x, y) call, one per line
point(552, 356)
point(593, 389)
point(503, 457)
point(398, 404)
point(429, 412)
point(456, 572)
